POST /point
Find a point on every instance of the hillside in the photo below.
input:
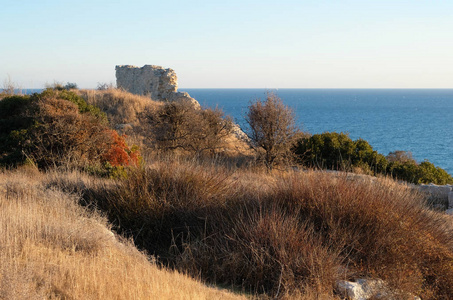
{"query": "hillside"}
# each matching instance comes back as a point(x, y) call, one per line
point(53, 248)
point(170, 189)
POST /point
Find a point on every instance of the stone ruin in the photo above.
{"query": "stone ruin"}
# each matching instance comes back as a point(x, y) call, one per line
point(152, 81)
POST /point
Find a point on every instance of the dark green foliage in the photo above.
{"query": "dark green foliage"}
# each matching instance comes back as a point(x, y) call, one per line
point(337, 151)
point(424, 172)
point(71, 86)
point(14, 125)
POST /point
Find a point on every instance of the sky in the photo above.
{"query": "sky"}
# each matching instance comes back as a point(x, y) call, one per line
point(230, 44)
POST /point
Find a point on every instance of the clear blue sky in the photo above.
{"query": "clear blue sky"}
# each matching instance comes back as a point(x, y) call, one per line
point(231, 44)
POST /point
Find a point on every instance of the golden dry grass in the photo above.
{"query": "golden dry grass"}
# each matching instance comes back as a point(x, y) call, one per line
point(120, 106)
point(50, 247)
point(125, 112)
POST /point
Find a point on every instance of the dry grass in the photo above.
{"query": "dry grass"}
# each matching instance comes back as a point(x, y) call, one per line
point(120, 106)
point(127, 113)
point(50, 247)
point(284, 234)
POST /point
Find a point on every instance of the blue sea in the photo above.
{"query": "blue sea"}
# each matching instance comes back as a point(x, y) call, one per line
point(415, 120)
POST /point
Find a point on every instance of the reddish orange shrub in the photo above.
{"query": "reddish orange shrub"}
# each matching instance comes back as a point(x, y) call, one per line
point(119, 153)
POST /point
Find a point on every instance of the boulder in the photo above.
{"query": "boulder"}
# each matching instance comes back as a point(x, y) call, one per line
point(363, 289)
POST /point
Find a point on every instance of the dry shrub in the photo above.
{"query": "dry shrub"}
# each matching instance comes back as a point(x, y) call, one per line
point(52, 248)
point(283, 234)
point(185, 128)
point(272, 130)
point(58, 128)
point(120, 106)
point(158, 203)
point(66, 136)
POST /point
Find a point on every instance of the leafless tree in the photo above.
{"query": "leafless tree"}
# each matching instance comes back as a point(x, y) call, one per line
point(272, 129)
point(182, 126)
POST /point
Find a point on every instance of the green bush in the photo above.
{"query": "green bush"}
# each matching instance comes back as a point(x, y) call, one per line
point(424, 172)
point(337, 151)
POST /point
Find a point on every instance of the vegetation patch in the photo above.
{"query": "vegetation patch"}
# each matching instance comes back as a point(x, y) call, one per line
point(337, 151)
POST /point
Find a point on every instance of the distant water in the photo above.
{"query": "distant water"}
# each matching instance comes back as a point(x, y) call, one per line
point(420, 121)
point(26, 91)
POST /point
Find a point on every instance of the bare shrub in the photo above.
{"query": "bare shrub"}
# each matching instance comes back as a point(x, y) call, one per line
point(9, 87)
point(272, 130)
point(400, 156)
point(184, 127)
point(103, 86)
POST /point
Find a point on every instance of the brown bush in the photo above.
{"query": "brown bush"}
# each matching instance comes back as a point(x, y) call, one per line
point(180, 126)
point(58, 128)
point(272, 130)
point(65, 136)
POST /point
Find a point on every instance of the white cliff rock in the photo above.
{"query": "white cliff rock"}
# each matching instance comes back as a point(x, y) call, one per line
point(153, 81)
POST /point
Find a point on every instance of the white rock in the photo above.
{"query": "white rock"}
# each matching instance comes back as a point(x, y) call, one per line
point(363, 289)
point(237, 131)
point(153, 81)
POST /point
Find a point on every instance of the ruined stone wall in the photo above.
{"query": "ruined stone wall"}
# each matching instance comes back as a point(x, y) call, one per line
point(153, 81)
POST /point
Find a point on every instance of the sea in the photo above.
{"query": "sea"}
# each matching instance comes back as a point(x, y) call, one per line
point(415, 120)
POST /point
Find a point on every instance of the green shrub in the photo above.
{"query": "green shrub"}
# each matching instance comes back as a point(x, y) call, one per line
point(424, 172)
point(337, 151)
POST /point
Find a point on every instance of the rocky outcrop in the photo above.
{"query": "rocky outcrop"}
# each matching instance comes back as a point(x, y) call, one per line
point(152, 81)
point(440, 196)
